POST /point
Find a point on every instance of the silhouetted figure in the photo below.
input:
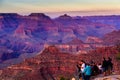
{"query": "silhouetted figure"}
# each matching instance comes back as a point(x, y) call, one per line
point(95, 69)
point(78, 71)
point(110, 65)
point(104, 66)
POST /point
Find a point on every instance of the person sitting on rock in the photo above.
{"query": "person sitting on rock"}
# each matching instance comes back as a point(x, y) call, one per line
point(104, 66)
point(87, 71)
point(78, 70)
point(83, 65)
point(100, 68)
point(95, 69)
point(110, 66)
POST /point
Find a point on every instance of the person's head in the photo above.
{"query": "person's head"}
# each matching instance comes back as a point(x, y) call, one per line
point(88, 64)
point(99, 64)
point(94, 63)
point(77, 65)
point(73, 78)
point(82, 61)
point(109, 58)
point(91, 62)
point(104, 58)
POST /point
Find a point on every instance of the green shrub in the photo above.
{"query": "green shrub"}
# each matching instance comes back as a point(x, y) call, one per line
point(118, 56)
point(62, 78)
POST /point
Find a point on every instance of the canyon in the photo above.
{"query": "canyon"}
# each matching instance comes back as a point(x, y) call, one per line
point(24, 37)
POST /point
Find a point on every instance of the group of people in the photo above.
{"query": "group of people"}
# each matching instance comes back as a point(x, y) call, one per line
point(86, 70)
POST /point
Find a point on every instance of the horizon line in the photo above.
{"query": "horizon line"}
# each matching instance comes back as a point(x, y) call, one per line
point(73, 13)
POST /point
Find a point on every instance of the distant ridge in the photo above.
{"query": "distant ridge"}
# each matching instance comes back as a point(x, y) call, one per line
point(112, 38)
point(75, 41)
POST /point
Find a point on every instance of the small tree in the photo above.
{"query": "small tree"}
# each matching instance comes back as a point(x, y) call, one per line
point(62, 78)
point(118, 56)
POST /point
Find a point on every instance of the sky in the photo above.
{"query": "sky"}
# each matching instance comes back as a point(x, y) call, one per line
point(60, 6)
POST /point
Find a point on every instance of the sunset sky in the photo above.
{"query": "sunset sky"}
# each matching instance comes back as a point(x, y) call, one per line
point(29, 6)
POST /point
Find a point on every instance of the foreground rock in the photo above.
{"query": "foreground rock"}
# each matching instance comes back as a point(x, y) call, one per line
point(111, 77)
point(51, 64)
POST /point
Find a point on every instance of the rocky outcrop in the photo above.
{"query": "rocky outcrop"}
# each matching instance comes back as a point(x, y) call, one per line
point(112, 77)
point(53, 64)
point(112, 38)
point(50, 64)
point(76, 41)
point(92, 39)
